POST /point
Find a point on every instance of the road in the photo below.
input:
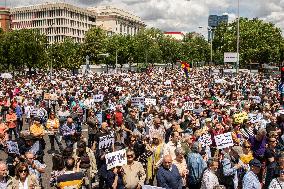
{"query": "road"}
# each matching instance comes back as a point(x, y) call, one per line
point(47, 157)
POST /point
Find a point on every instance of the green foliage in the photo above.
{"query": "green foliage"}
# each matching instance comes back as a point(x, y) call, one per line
point(259, 41)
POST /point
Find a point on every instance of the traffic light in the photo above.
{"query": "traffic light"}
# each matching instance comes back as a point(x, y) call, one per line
point(282, 74)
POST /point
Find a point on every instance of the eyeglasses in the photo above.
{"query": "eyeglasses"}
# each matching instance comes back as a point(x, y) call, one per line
point(272, 141)
point(130, 156)
point(23, 171)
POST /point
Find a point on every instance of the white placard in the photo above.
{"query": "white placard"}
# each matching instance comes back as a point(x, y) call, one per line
point(150, 101)
point(254, 118)
point(98, 98)
point(167, 82)
point(13, 147)
point(138, 101)
point(106, 141)
point(151, 187)
point(205, 140)
point(224, 140)
point(117, 158)
point(188, 105)
point(230, 57)
point(118, 88)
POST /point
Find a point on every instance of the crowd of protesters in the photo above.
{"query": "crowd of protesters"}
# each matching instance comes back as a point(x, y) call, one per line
point(164, 139)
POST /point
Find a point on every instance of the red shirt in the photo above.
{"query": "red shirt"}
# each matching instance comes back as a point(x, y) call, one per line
point(118, 118)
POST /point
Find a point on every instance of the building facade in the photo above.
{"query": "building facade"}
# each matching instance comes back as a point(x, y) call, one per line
point(56, 20)
point(213, 22)
point(117, 21)
point(5, 19)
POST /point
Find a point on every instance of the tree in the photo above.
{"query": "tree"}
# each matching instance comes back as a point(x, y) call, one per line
point(95, 43)
point(259, 41)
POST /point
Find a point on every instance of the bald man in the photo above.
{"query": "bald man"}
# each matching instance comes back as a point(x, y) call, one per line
point(168, 175)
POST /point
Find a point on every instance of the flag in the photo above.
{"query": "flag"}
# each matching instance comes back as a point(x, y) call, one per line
point(186, 68)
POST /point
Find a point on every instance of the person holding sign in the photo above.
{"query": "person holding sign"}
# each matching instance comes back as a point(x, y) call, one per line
point(52, 125)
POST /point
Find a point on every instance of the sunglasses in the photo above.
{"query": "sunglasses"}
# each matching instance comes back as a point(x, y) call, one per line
point(272, 141)
point(282, 172)
point(23, 171)
point(246, 146)
point(130, 156)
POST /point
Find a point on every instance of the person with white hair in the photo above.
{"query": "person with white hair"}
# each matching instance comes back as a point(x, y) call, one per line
point(5, 179)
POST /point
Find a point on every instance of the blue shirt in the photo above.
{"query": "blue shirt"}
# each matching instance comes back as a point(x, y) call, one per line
point(250, 181)
point(169, 178)
point(66, 130)
point(19, 111)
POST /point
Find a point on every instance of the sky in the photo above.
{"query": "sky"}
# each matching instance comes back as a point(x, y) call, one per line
point(183, 15)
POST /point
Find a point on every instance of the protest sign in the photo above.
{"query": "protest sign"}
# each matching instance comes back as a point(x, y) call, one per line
point(98, 98)
point(46, 96)
point(224, 140)
point(150, 101)
point(138, 101)
point(167, 82)
point(188, 105)
point(205, 140)
point(12, 147)
point(117, 158)
point(106, 141)
point(254, 118)
point(118, 88)
point(240, 117)
point(151, 187)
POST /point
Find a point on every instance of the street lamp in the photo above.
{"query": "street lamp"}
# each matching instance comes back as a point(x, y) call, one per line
point(238, 38)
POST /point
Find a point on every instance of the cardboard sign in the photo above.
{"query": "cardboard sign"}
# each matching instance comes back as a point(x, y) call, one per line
point(46, 96)
point(205, 140)
point(150, 101)
point(13, 147)
point(98, 98)
point(106, 141)
point(224, 140)
point(188, 105)
point(117, 158)
point(239, 118)
point(138, 101)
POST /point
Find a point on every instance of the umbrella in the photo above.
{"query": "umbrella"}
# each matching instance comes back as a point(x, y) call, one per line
point(6, 76)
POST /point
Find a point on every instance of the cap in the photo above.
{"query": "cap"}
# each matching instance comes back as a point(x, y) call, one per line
point(255, 163)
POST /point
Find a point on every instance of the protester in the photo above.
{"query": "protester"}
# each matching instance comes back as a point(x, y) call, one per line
point(209, 178)
point(251, 180)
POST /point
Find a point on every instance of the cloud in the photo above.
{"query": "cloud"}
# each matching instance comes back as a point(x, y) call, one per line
point(185, 15)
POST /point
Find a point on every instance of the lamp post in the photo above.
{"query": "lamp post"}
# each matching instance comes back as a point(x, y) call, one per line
point(238, 39)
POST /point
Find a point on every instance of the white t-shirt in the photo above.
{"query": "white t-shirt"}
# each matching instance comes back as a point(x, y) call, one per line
point(24, 185)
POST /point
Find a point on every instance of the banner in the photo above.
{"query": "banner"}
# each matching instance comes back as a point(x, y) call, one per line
point(117, 158)
point(12, 147)
point(106, 141)
point(98, 98)
point(150, 101)
point(137, 101)
point(205, 140)
point(188, 105)
point(224, 140)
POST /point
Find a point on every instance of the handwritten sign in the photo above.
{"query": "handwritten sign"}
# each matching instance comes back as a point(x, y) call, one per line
point(12, 147)
point(98, 98)
point(188, 105)
point(106, 141)
point(224, 140)
point(46, 96)
point(167, 82)
point(150, 101)
point(205, 140)
point(239, 118)
point(254, 118)
point(117, 158)
point(118, 88)
point(256, 99)
point(137, 101)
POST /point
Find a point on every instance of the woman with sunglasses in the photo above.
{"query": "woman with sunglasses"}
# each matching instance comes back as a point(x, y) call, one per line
point(24, 180)
point(247, 154)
